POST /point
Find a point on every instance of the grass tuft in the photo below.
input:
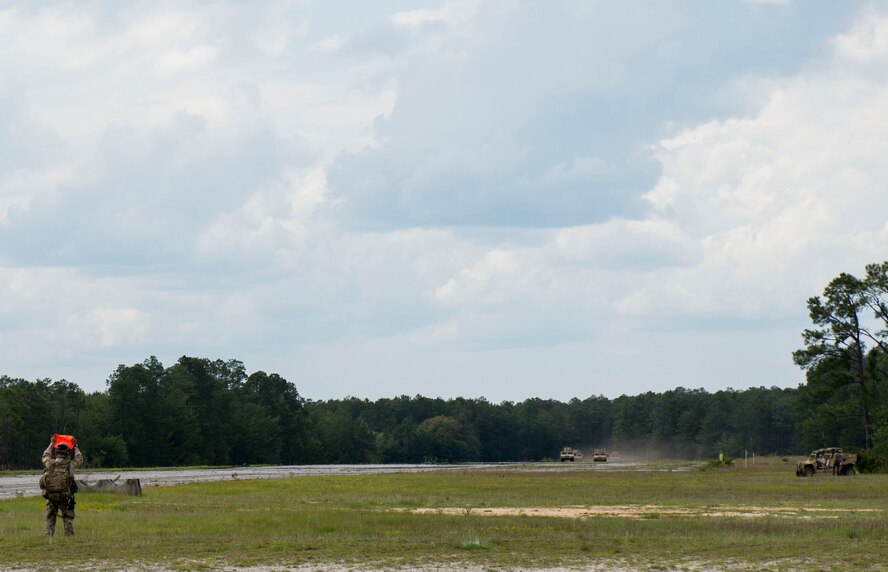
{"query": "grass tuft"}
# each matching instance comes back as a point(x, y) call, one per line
point(474, 543)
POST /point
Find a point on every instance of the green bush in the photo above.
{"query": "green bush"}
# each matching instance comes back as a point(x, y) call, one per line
point(870, 462)
point(877, 457)
point(719, 463)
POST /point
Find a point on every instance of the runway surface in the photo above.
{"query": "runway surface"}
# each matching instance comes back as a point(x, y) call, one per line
point(26, 485)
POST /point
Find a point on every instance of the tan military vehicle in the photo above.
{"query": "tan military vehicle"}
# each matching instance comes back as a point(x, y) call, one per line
point(821, 461)
point(570, 454)
point(599, 455)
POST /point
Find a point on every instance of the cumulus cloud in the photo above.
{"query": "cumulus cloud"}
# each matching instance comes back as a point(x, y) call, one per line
point(175, 129)
point(64, 314)
point(867, 41)
point(783, 200)
point(529, 124)
point(454, 12)
point(749, 217)
point(452, 188)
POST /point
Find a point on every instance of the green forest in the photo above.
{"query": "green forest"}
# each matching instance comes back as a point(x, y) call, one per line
point(200, 411)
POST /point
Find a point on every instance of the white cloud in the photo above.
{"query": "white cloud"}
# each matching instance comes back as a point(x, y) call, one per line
point(118, 325)
point(452, 12)
point(867, 41)
point(187, 60)
point(633, 245)
point(279, 34)
point(74, 312)
point(19, 187)
point(750, 217)
point(785, 199)
point(330, 117)
point(279, 217)
point(472, 186)
point(330, 44)
point(488, 281)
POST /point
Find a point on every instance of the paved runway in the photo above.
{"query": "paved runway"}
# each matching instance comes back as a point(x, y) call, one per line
point(26, 485)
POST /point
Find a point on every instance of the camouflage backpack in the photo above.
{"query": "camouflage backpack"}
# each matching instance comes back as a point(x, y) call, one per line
point(57, 478)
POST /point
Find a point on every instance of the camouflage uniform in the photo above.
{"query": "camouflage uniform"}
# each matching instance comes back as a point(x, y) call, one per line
point(58, 502)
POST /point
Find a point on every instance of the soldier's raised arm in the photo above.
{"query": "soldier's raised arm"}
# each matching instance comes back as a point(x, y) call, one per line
point(47, 456)
point(78, 458)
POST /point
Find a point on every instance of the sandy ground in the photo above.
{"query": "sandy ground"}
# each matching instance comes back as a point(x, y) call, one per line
point(648, 511)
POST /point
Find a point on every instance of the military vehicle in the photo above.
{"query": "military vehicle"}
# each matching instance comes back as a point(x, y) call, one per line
point(570, 454)
point(599, 455)
point(821, 461)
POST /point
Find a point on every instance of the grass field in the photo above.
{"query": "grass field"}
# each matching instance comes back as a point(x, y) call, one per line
point(761, 517)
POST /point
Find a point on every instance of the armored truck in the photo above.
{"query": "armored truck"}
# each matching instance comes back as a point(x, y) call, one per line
point(570, 454)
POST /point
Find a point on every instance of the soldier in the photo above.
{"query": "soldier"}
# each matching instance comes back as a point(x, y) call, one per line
point(58, 485)
point(837, 462)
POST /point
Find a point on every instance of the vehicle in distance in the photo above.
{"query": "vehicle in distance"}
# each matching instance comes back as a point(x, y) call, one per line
point(599, 455)
point(570, 454)
point(821, 461)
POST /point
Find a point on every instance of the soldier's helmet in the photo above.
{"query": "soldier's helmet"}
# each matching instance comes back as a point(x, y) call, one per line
point(63, 447)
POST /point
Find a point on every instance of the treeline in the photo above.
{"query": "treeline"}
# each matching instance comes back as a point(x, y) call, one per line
point(204, 412)
point(845, 356)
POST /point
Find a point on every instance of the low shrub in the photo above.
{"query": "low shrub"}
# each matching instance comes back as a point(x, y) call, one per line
point(725, 461)
point(868, 462)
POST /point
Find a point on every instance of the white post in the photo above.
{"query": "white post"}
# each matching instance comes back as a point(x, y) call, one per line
point(745, 457)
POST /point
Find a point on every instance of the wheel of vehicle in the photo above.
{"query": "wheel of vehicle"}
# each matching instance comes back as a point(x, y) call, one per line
point(849, 471)
point(809, 471)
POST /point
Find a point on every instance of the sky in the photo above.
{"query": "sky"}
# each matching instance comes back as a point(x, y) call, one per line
point(451, 198)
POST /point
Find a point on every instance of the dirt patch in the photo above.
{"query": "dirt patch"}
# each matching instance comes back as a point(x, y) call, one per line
point(644, 511)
